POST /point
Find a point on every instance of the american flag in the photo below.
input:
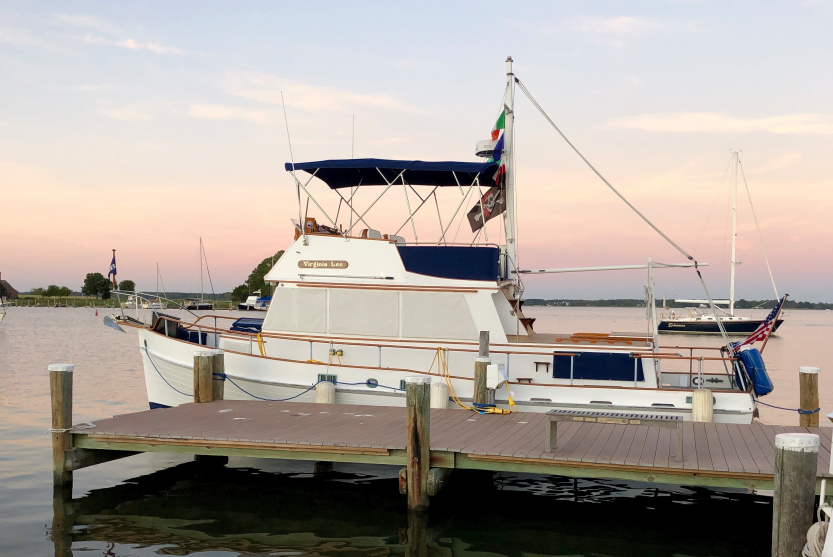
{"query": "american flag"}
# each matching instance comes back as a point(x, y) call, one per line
point(765, 328)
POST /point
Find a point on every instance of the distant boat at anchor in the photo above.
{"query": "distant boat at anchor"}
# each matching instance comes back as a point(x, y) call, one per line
point(697, 322)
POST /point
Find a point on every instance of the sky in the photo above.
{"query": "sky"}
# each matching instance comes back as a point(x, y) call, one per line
point(146, 126)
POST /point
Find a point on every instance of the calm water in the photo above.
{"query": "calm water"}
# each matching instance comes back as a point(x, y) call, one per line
point(160, 505)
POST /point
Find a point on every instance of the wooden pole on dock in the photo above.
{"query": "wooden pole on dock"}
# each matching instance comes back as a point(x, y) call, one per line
point(796, 458)
point(418, 401)
point(325, 393)
point(204, 374)
point(60, 389)
point(481, 394)
point(218, 376)
point(808, 381)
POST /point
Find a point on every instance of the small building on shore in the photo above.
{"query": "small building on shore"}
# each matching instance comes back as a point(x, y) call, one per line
point(11, 293)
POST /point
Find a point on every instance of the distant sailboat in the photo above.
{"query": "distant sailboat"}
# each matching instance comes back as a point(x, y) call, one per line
point(201, 303)
point(707, 323)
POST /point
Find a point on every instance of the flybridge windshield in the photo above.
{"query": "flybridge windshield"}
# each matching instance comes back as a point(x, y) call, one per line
point(382, 172)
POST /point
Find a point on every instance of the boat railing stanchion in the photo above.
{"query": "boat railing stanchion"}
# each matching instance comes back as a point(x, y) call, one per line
point(635, 368)
point(572, 361)
point(380, 356)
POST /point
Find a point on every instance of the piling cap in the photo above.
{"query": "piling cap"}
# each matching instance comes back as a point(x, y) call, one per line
point(61, 367)
point(417, 380)
point(207, 352)
point(799, 442)
point(487, 359)
point(806, 369)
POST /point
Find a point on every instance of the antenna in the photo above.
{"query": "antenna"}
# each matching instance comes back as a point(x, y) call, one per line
point(353, 144)
point(292, 160)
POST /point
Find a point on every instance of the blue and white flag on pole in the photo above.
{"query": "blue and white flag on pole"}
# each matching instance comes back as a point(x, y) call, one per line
point(112, 266)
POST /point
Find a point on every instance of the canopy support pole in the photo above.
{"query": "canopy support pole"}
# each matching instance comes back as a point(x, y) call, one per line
point(418, 208)
point(309, 196)
point(390, 184)
point(457, 211)
point(437, 203)
point(408, 203)
point(482, 211)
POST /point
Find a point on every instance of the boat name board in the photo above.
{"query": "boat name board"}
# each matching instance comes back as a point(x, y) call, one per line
point(329, 264)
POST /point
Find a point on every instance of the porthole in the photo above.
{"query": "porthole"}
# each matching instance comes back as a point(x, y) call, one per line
point(372, 383)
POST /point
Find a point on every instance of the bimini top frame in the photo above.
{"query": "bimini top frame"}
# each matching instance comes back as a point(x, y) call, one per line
point(353, 173)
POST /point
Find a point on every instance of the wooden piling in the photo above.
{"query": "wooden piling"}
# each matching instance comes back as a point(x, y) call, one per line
point(481, 393)
point(796, 458)
point(808, 381)
point(702, 406)
point(325, 392)
point(218, 376)
point(60, 389)
point(204, 375)
point(439, 395)
point(418, 420)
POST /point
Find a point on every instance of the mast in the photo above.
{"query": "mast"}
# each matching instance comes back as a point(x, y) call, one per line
point(508, 154)
point(734, 232)
point(201, 284)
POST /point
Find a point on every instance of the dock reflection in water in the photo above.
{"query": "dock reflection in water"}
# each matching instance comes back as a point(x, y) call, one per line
point(240, 509)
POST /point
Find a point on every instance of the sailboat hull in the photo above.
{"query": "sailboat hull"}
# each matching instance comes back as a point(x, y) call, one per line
point(698, 327)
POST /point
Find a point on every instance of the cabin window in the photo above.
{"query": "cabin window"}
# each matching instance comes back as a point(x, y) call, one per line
point(604, 366)
point(364, 312)
point(301, 310)
point(436, 315)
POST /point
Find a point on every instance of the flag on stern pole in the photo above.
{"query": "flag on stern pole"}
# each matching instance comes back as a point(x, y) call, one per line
point(765, 328)
point(494, 203)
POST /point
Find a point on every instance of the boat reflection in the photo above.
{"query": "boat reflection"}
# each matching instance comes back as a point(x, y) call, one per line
point(207, 507)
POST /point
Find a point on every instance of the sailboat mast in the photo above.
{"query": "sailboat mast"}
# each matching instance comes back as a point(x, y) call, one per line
point(734, 232)
point(202, 289)
point(509, 155)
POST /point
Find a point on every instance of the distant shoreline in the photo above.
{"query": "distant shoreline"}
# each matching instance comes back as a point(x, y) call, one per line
point(634, 303)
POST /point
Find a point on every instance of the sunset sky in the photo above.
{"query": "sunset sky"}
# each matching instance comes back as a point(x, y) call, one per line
point(145, 126)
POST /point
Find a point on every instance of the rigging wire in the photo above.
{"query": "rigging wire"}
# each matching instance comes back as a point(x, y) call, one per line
point(760, 236)
point(213, 295)
point(635, 210)
point(603, 179)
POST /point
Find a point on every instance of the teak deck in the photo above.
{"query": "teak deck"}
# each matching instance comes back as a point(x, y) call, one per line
point(717, 455)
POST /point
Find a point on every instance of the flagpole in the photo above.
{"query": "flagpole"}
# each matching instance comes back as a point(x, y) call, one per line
point(115, 286)
point(508, 155)
point(774, 322)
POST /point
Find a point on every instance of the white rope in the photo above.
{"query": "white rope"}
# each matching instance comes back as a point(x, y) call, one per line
point(608, 184)
point(760, 236)
point(83, 425)
point(815, 540)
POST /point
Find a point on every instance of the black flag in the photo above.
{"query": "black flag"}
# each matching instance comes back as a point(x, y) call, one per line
point(494, 203)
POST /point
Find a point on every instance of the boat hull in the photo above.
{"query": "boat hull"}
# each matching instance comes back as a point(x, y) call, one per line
point(744, 327)
point(168, 371)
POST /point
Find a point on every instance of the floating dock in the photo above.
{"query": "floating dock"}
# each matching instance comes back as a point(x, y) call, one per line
point(713, 455)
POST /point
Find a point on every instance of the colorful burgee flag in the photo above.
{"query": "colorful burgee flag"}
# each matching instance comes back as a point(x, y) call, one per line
point(499, 125)
point(765, 328)
point(494, 203)
point(112, 266)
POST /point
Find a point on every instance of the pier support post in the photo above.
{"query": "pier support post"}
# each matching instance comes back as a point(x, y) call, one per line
point(796, 458)
point(702, 406)
point(218, 375)
point(481, 394)
point(60, 389)
point(418, 420)
point(325, 393)
point(204, 375)
point(808, 381)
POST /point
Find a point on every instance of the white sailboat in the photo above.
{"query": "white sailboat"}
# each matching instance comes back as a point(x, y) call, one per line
point(200, 303)
point(365, 309)
point(705, 322)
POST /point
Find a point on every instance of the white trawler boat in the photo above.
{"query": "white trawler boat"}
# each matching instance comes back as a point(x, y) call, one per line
point(366, 309)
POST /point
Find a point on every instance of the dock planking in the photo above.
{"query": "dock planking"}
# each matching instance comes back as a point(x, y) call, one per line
point(718, 455)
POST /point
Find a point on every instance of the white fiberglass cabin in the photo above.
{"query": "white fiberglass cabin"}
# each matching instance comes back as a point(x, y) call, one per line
point(365, 309)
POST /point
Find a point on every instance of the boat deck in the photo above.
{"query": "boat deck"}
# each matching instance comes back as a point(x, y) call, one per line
point(717, 455)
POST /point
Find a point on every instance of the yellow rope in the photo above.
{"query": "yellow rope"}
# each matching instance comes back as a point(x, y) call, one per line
point(442, 367)
point(261, 345)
